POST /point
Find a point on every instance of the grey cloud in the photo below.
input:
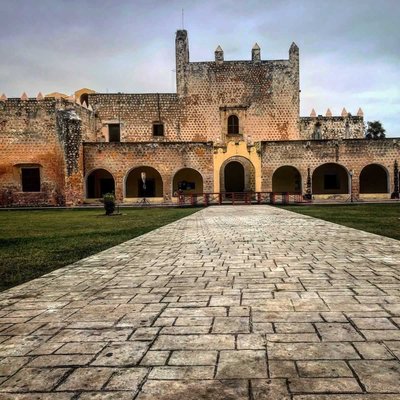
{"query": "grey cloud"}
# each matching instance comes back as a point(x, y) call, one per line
point(349, 51)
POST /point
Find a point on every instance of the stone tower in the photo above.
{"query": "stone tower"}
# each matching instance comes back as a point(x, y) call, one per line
point(295, 63)
point(182, 61)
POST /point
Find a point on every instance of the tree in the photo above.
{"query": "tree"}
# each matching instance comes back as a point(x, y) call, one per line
point(375, 130)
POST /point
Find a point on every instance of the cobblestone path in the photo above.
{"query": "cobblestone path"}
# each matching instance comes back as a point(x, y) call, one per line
point(245, 302)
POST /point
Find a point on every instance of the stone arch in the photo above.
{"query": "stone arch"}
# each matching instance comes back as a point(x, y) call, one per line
point(330, 178)
point(286, 179)
point(84, 97)
point(374, 178)
point(189, 180)
point(99, 182)
point(246, 167)
point(134, 187)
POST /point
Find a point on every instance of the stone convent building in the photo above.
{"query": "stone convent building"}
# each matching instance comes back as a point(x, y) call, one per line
point(231, 126)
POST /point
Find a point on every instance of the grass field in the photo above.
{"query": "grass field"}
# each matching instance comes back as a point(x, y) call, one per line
point(33, 243)
point(382, 219)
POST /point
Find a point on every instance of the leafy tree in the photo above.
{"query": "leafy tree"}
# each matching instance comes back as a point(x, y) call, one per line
point(375, 130)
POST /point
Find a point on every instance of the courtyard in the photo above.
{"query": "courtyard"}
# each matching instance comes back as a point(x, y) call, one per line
point(228, 303)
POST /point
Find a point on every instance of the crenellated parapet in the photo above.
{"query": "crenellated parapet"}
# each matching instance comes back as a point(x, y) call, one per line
point(329, 126)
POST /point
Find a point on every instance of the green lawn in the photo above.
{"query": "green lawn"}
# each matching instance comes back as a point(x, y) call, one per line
point(382, 219)
point(33, 243)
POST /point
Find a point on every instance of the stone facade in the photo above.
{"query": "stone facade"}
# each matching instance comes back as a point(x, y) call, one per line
point(230, 126)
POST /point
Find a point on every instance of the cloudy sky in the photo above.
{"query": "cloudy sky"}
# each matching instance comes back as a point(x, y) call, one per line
point(349, 50)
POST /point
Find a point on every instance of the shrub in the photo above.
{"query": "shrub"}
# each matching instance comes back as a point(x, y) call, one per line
point(109, 203)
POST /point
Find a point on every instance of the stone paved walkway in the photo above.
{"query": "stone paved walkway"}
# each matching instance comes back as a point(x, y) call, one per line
point(246, 302)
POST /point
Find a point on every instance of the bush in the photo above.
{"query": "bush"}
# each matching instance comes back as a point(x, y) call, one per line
point(109, 203)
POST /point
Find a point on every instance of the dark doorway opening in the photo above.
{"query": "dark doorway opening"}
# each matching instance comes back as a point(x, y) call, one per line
point(99, 182)
point(373, 179)
point(234, 177)
point(149, 190)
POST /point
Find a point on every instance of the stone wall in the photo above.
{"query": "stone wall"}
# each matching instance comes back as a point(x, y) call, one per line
point(27, 138)
point(136, 114)
point(167, 158)
point(334, 127)
point(352, 154)
point(46, 134)
point(263, 94)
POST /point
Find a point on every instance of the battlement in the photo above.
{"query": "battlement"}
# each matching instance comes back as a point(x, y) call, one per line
point(182, 52)
point(329, 126)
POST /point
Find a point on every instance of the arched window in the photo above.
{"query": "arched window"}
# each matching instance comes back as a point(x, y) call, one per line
point(233, 125)
point(84, 98)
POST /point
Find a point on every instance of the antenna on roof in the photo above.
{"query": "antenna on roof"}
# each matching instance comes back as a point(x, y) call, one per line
point(183, 18)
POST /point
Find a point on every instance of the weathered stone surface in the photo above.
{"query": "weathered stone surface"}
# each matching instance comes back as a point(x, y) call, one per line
point(379, 376)
point(324, 385)
point(272, 389)
point(121, 354)
point(231, 325)
point(242, 364)
point(237, 252)
point(194, 342)
point(186, 372)
point(193, 358)
point(311, 351)
point(194, 390)
point(87, 379)
point(34, 380)
point(127, 379)
point(324, 369)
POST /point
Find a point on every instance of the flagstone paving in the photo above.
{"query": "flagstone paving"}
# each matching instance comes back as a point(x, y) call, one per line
point(244, 302)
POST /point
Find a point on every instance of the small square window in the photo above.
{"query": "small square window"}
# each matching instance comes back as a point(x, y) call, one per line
point(114, 132)
point(158, 129)
point(30, 179)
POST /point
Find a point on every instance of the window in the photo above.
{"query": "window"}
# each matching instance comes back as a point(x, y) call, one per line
point(114, 132)
point(158, 129)
point(233, 125)
point(331, 182)
point(30, 179)
point(84, 98)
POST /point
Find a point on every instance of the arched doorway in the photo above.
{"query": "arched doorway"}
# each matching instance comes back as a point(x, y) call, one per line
point(374, 179)
point(188, 180)
point(234, 177)
point(134, 186)
point(286, 179)
point(330, 178)
point(237, 174)
point(98, 183)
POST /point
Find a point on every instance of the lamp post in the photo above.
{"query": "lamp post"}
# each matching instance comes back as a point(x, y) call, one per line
point(144, 201)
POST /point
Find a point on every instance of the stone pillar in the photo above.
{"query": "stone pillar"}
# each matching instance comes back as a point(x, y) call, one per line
point(219, 55)
point(256, 54)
